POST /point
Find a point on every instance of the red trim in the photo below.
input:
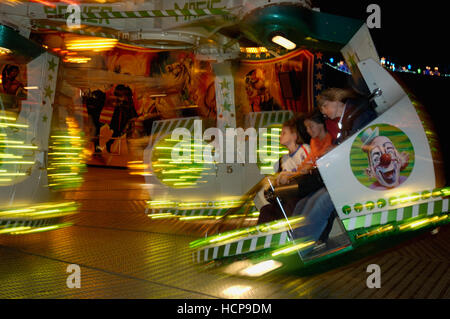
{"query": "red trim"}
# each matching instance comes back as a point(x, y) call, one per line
point(304, 149)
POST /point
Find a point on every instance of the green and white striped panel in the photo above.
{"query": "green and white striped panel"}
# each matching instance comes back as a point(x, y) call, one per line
point(196, 212)
point(81, 32)
point(397, 215)
point(35, 223)
point(243, 246)
point(164, 127)
point(264, 119)
point(146, 14)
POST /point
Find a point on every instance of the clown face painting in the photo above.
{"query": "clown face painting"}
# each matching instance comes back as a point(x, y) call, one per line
point(385, 161)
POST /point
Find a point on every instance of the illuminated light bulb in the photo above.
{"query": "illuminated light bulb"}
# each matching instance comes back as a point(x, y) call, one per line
point(285, 43)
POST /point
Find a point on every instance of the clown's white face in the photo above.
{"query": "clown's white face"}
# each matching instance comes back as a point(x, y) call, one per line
point(384, 162)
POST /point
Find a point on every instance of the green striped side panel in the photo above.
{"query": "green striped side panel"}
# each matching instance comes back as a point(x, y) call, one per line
point(145, 14)
point(197, 212)
point(82, 32)
point(264, 119)
point(396, 215)
point(35, 223)
point(242, 246)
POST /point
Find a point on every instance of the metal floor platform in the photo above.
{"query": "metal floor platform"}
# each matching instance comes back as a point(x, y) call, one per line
point(124, 254)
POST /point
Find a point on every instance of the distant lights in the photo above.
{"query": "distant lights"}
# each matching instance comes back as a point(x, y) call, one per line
point(433, 71)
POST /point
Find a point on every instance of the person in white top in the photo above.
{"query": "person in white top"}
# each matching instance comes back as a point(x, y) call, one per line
point(298, 152)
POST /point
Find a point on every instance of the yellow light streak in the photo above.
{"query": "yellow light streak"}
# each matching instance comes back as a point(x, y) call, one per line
point(290, 249)
point(32, 147)
point(10, 156)
point(13, 125)
point(187, 218)
point(7, 118)
point(40, 229)
point(184, 184)
point(11, 142)
point(30, 163)
point(376, 231)
point(13, 174)
point(66, 136)
point(14, 229)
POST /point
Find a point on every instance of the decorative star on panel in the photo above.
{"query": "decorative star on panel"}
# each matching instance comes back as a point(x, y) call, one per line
point(319, 65)
point(227, 106)
point(318, 86)
point(224, 84)
point(319, 55)
point(319, 76)
point(226, 94)
point(50, 77)
point(51, 65)
point(48, 91)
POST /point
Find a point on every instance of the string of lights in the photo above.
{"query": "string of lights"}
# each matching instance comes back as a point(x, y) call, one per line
point(427, 70)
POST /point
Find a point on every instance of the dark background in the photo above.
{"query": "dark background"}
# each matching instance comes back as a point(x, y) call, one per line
point(413, 33)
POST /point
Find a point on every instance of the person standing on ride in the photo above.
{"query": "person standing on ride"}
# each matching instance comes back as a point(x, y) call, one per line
point(349, 110)
point(124, 112)
point(286, 166)
point(318, 207)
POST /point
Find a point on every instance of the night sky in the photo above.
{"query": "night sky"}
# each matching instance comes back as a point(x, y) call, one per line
point(412, 32)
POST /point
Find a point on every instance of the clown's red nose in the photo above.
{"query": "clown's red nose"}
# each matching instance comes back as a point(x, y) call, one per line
point(385, 160)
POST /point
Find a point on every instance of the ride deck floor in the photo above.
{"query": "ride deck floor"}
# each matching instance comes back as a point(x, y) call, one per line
point(122, 253)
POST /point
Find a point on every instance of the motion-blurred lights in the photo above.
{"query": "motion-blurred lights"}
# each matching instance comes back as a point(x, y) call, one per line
point(4, 51)
point(285, 43)
point(237, 266)
point(291, 249)
point(91, 44)
point(78, 60)
point(236, 291)
point(261, 268)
